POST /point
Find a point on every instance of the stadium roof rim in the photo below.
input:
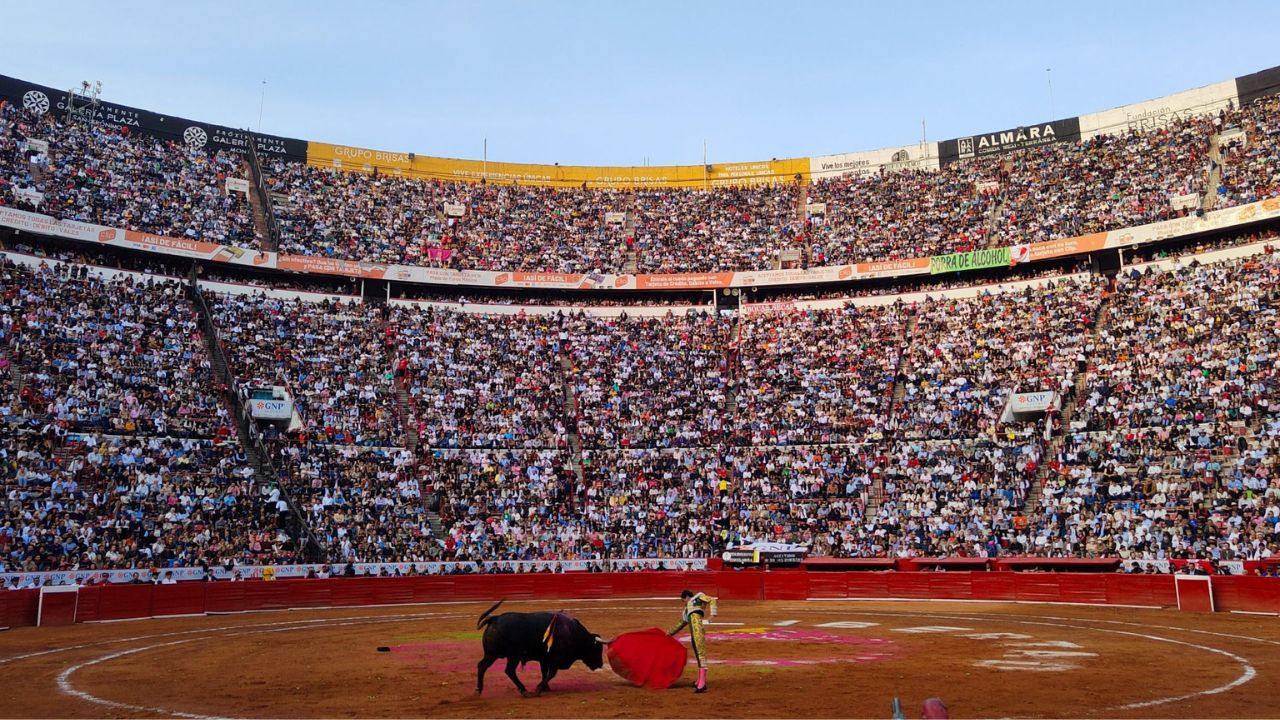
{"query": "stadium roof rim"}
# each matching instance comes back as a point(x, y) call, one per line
point(1147, 114)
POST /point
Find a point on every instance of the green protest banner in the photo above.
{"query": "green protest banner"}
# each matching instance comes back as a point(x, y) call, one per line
point(975, 260)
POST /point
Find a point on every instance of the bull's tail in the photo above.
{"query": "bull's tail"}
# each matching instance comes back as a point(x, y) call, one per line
point(484, 617)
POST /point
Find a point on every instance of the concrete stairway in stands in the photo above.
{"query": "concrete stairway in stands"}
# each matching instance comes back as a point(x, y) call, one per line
point(993, 223)
point(261, 227)
point(1213, 177)
point(1100, 323)
point(571, 416)
point(264, 209)
point(875, 494)
point(631, 265)
point(406, 417)
point(222, 375)
point(425, 494)
point(1036, 494)
point(733, 368)
point(412, 441)
point(899, 386)
point(433, 519)
point(17, 379)
point(298, 528)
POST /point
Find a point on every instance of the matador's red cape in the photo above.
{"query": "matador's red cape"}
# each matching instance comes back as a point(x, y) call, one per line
point(648, 658)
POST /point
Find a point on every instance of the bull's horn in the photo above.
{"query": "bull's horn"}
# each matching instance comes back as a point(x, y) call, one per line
point(601, 640)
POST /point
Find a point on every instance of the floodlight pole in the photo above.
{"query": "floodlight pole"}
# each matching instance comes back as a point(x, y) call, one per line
point(706, 179)
point(1053, 113)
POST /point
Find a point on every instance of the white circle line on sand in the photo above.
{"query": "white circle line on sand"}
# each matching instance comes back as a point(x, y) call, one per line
point(1145, 626)
point(66, 687)
point(315, 621)
point(1248, 671)
point(178, 633)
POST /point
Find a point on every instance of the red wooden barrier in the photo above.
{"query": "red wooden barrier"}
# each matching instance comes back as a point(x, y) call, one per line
point(741, 585)
point(1248, 593)
point(786, 585)
point(827, 585)
point(113, 602)
point(119, 602)
point(87, 609)
point(181, 599)
point(994, 586)
point(18, 608)
point(57, 606)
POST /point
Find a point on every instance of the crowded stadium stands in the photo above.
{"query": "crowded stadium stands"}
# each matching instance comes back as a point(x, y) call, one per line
point(102, 501)
point(334, 359)
point(858, 427)
point(117, 356)
point(1176, 424)
point(110, 176)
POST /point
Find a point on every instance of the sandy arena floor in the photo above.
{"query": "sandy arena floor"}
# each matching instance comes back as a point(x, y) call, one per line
point(774, 659)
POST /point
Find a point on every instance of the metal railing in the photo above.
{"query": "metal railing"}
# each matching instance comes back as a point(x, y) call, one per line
point(264, 194)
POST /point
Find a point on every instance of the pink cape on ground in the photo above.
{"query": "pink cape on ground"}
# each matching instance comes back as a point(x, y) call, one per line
point(648, 658)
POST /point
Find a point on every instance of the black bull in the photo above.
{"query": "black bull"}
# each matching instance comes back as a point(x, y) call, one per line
point(553, 640)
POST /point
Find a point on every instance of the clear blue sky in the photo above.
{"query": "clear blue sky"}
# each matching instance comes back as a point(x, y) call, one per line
point(621, 83)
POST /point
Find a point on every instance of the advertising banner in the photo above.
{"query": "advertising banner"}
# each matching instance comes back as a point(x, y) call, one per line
point(1029, 402)
point(766, 553)
point(1004, 141)
point(690, 176)
point(767, 308)
point(31, 195)
point(991, 257)
point(1159, 113)
point(1050, 249)
point(892, 268)
point(684, 281)
point(974, 260)
point(45, 225)
point(769, 172)
point(271, 409)
point(869, 162)
point(1179, 227)
point(40, 100)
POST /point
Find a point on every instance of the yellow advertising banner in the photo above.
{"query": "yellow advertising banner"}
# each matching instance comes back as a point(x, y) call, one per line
point(355, 159)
